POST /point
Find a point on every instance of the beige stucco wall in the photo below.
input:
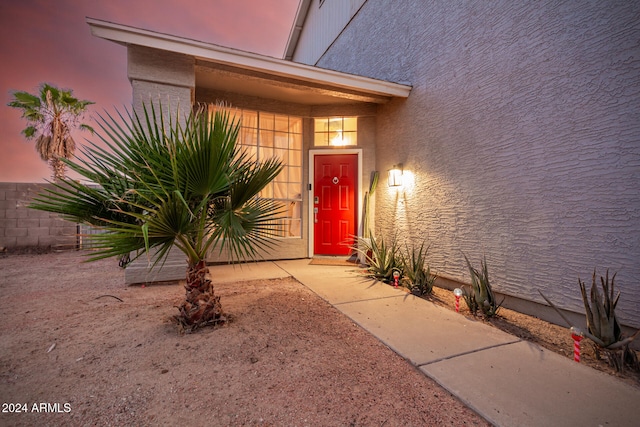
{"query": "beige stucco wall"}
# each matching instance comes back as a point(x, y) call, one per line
point(522, 135)
point(164, 78)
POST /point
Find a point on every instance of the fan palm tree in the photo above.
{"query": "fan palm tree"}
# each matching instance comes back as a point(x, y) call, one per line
point(51, 116)
point(188, 185)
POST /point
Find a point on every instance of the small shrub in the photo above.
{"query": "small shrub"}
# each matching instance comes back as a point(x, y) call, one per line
point(480, 295)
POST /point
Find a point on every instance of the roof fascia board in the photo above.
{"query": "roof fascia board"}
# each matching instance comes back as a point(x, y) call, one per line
point(296, 29)
point(130, 35)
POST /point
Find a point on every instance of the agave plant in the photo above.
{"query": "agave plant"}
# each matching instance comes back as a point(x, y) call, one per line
point(381, 257)
point(602, 323)
point(480, 295)
point(187, 185)
point(603, 327)
point(418, 278)
point(601, 316)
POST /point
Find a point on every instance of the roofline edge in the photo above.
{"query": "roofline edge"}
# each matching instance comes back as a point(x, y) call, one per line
point(124, 34)
point(296, 29)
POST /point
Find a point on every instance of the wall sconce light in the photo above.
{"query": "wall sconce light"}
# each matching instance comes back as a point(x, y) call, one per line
point(395, 176)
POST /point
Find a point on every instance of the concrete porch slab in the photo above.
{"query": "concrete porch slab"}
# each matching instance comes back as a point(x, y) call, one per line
point(338, 284)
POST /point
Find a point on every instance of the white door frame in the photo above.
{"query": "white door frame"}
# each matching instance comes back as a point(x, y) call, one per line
point(330, 151)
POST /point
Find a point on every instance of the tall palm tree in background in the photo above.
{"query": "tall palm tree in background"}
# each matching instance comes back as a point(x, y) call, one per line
point(187, 185)
point(51, 116)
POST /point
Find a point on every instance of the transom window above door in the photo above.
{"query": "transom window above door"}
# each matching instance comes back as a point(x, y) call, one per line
point(335, 131)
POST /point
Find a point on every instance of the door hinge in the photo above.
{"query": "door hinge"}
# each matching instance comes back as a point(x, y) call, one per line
point(309, 187)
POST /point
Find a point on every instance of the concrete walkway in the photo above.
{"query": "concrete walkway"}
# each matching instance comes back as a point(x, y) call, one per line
point(508, 381)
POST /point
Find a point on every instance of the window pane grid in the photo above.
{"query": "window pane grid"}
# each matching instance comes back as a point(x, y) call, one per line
point(335, 131)
point(263, 136)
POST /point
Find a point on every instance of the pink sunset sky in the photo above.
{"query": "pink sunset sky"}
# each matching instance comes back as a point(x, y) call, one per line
point(49, 41)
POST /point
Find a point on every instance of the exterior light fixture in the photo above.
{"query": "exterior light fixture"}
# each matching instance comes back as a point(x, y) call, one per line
point(395, 176)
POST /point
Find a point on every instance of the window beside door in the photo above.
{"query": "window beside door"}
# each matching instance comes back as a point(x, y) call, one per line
point(265, 135)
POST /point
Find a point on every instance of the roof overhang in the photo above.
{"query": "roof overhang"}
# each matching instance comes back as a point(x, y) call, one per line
point(223, 68)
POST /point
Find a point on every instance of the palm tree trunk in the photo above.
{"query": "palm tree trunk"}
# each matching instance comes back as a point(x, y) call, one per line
point(201, 306)
point(58, 168)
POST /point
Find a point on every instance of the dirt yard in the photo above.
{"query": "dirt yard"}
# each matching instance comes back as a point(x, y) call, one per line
point(73, 355)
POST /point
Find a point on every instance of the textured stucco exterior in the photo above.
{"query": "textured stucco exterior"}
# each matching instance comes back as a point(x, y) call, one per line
point(520, 139)
point(162, 77)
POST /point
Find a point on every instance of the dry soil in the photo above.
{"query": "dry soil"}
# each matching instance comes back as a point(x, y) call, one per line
point(79, 348)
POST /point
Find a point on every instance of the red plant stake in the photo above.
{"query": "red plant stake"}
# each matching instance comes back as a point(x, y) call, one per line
point(457, 292)
point(577, 336)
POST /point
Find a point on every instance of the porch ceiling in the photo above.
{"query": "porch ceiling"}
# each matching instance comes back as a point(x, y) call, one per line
point(232, 70)
point(248, 82)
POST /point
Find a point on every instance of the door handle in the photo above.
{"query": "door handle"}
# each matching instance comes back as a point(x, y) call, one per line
point(315, 215)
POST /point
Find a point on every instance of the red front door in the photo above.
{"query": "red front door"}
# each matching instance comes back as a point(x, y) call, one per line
point(334, 203)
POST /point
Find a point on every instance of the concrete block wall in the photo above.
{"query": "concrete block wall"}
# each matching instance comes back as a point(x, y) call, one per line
point(22, 227)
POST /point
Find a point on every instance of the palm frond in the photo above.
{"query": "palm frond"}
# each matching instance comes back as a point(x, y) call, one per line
point(50, 116)
point(168, 183)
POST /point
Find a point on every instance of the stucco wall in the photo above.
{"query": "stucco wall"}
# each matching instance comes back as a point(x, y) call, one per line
point(521, 134)
point(166, 79)
point(21, 227)
point(159, 76)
